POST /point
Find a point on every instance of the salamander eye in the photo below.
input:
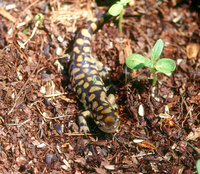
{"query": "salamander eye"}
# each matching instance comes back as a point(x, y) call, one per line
point(100, 124)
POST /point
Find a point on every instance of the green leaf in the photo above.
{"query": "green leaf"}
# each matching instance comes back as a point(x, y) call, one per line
point(198, 166)
point(124, 2)
point(147, 62)
point(37, 17)
point(135, 61)
point(24, 31)
point(157, 50)
point(165, 65)
point(115, 9)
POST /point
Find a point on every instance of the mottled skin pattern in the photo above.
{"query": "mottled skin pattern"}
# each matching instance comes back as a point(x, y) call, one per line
point(85, 76)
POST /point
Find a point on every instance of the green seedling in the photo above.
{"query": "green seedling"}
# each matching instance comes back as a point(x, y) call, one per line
point(163, 65)
point(39, 16)
point(198, 166)
point(198, 161)
point(117, 9)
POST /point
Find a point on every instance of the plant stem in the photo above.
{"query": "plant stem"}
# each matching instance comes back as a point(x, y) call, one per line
point(193, 147)
point(120, 21)
point(154, 76)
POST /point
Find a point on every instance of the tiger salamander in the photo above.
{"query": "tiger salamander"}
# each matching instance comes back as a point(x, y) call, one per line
point(86, 79)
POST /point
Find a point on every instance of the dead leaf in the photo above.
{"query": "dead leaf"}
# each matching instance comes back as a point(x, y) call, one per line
point(192, 50)
point(107, 165)
point(100, 142)
point(133, 73)
point(127, 49)
point(100, 170)
point(7, 15)
point(121, 58)
point(193, 135)
point(147, 145)
point(195, 99)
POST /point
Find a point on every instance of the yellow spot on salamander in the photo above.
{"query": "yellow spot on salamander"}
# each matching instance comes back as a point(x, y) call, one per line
point(88, 59)
point(74, 89)
point(104, 86)
point(83, 96)
point(94, 105)
point(79, 41)
point(84, 103)
point(79, 76)
point(106, 111)
point(76, 50)
point(92, 96)
point(80, 83)
point(116, 114)
point(102, 96)
point(94, 19)
point(85, 33)
point(87, 42)
point(100, 117)
point(79, 91)
point(79, 64)
point(93, 72)
point(94, 88)
point(85, 65)
point(89, 79)
point(85, 70)
point(86, 113)
point(86, 49)
point(98, 83)
point(100, 108)
point(93, 67)
point(75, 70)
point(86, 84)
point(79, 58)
point(93, 26)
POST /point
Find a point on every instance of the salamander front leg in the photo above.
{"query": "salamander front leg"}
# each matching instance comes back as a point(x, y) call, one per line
point(82, 121)
point(103, 70)
point(62, 61)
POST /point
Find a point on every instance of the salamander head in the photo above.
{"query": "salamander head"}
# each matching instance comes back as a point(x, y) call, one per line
point(109, 122)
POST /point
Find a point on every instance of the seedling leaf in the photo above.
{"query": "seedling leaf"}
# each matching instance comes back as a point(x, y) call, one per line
point(147, 62)
point(124, 2)
point(24, 31)
point(135, 61)
point(165, 65)
point(115, 9)
point(37, 17)
point(198, 166)
point(157, 50)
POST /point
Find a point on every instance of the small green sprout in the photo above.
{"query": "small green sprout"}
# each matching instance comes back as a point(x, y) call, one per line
point(117, 9)
point(198, 161)
point(25, 31)
point(40, 17)
point(198, 166)
point(163, 65)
